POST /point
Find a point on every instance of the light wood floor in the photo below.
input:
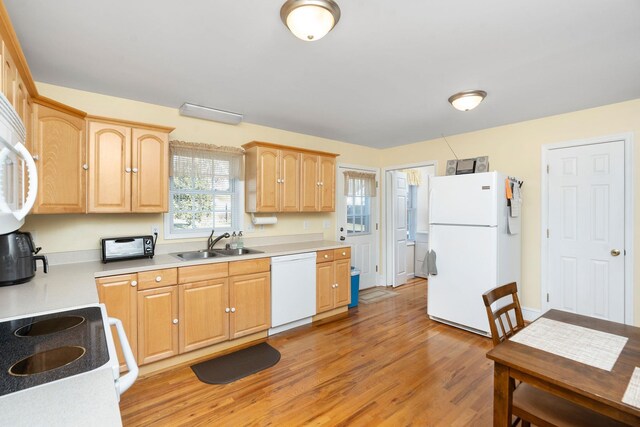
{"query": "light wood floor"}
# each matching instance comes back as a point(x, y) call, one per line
point(385, 364)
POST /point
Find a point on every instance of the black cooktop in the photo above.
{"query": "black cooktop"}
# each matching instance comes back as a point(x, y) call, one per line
point(39, 349)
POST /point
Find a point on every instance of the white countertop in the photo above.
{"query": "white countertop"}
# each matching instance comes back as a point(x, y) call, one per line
point(90, 398)
point(71, 285)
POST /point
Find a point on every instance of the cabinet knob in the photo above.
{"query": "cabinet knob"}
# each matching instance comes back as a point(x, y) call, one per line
point(134, 283)
point(226, 310)
point(318, 183)
point(321, 183)
point(159, 278)
point(175, 321)
point(336, 285)
point(344, 253)
point(134, 170)
point(233, 309)
point(85, 166)
point(127, 170)
point(36, 157)
point(326, 256)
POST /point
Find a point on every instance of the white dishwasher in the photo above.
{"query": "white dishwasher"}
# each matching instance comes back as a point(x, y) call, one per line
point(293, 291)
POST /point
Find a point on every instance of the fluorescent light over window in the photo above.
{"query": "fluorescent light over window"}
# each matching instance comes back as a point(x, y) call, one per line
point(207, 113)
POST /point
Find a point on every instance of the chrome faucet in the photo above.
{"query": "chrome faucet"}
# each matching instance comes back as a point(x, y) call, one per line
point(212, 242)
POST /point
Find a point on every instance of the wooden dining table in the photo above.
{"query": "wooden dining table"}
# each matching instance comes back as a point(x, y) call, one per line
point(598, 389)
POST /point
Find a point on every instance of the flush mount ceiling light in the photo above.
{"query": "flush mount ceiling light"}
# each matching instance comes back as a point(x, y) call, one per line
point(468, 100)
point(207, 113)
point(310, 20)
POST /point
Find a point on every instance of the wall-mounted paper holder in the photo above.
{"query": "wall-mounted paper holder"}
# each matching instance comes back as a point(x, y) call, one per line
point(264, 220)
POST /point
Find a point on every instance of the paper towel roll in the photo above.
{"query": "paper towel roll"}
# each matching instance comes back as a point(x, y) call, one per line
point(264, 220)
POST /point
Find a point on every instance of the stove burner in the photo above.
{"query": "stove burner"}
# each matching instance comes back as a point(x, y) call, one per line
point(46, 361)
point(49, 326)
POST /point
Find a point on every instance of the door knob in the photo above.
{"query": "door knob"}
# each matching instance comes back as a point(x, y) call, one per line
point(615, 252)
point(175, 321)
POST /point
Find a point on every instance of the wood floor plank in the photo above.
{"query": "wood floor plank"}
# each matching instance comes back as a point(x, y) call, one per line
point(384, 364)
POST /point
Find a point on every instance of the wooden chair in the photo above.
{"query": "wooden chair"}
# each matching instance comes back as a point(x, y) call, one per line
point(530, 404)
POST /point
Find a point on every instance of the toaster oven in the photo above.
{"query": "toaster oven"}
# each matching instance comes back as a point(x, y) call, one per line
point(122, 248)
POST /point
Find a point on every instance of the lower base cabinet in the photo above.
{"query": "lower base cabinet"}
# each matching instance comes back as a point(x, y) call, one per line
point(157, 324)
point(164, 316)
point(333, 279)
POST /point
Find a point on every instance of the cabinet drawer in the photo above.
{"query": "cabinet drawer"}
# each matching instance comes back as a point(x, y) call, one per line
point(249, 266)
point(342, 253)
point(324, 256)
point(157, 278)
point(197, 273)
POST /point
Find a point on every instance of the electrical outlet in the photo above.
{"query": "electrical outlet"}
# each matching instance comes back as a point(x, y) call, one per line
point(305, 224)
point(155, 228)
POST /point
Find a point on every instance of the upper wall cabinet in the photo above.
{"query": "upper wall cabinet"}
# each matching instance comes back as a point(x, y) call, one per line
point(128, 167)
point(279, 179)
point(318, 189)
point(59, 150)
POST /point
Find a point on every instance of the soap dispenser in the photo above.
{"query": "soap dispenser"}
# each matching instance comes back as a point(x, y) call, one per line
point(240, 240)
point(234, 241)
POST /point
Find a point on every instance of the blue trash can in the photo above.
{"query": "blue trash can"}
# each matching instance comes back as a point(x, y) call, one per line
point(355, 286)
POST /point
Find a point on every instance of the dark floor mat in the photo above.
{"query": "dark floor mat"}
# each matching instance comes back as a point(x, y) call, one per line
point(230, 367)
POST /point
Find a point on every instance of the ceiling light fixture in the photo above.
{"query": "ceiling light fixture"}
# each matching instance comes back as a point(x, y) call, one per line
point(207, 113)
point(468, 100)
point(310, 20)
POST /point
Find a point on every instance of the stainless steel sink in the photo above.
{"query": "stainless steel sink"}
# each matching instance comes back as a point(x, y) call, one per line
point(203, 254)
point(236, 252)
point(189, 256)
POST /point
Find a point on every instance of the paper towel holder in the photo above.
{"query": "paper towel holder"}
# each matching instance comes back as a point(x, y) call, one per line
point(264, 220)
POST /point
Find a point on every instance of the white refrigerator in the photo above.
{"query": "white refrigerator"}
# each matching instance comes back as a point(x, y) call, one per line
point(468, 231)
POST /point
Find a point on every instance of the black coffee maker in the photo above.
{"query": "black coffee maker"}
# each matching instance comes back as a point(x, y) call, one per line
point(18, 258)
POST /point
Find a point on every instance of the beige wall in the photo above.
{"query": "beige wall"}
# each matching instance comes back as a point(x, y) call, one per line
point(516, 150)
point(57, 233)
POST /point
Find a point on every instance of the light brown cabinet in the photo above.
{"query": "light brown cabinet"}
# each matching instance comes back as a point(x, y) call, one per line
point(157, 324)
point(9, 75)
point(318, 187)
point(204, 317)
point(119, 295)
point(128, 167)
point(250, 300)
point(59, 149)
point(272, 174)
point(288, 179)
point(333, 279)
point(176, 310)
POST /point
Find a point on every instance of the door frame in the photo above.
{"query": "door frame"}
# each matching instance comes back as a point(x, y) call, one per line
point(384, 219)
point(375, 209)
point(627, 138)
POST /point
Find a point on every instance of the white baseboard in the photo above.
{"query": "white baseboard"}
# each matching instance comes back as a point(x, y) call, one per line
point(531, 314)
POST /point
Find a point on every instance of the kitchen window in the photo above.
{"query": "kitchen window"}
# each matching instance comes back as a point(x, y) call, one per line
point(205, 190)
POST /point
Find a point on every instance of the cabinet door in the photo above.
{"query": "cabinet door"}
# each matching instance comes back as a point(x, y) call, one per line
point(324, 286)
point(60, 147)
point(289, 181)
point(157, 324)
point(9, 75)
point(109, 168)
point(250, 300)
point(342, 294)
point(21, 95)
point(267, 184)
point(203, 319)
point(118, 294)
point(327, 178)
point(309, 186)
point(150, 171)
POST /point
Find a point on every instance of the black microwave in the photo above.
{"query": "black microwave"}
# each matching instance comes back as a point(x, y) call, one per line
point(122, 248)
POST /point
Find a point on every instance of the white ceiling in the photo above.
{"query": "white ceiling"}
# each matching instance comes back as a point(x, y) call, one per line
point(381, 78)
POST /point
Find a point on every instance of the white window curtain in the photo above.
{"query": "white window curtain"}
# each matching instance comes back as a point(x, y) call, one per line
point(194, 159)
point(359, 183)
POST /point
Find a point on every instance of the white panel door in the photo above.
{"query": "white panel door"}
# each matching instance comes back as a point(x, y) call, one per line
point(465, 199)
point(586, 230)
point(357, 218)
point(399, 192)
point(466, 261)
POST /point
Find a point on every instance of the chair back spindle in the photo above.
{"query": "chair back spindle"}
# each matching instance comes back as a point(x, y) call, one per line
point(505, 315)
